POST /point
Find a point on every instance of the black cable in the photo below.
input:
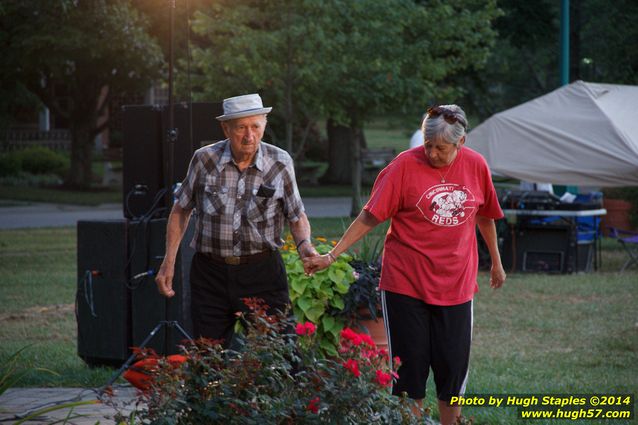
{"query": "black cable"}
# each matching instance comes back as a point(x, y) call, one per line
point(144, 220)
point(88, 294)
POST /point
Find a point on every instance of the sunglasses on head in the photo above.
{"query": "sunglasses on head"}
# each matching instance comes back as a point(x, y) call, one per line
point(449, 116)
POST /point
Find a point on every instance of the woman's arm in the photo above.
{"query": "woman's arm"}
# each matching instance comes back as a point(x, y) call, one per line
point(358, 229)
point(488, 231)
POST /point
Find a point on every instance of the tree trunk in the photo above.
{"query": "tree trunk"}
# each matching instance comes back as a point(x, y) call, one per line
point(355, 149)
point(339, 154)
point(80, 173)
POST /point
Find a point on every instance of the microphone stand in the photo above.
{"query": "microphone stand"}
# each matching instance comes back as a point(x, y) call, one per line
point(171, 139)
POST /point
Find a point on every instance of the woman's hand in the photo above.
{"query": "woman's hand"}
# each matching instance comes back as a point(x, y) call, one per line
point(497, 276)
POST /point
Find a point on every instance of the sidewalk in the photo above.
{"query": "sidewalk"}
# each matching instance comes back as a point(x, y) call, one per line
point(17, 403)
point(25, 215)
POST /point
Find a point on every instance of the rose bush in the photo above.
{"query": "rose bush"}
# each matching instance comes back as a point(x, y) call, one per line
point(279, 376)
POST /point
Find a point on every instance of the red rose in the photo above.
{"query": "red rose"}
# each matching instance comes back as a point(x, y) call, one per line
point(310, 328)
point(353, 366)
point(313, 406)
point(307, 328)
point(383, 379)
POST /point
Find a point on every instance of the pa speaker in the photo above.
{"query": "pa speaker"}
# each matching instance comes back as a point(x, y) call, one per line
point(147, 241)
point(102, 301)
point(538, 248)
point(142, 158)
point(146, 150)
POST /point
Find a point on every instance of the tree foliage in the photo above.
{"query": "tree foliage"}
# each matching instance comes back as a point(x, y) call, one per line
point(345, 61)
point(75, 56)
point(525, 60)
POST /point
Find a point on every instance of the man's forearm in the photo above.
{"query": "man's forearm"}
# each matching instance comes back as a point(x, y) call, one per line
point(177, 223)
point(300, 229)
point(301, 234)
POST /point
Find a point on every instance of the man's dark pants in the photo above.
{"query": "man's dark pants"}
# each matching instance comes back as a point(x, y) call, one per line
point(217, 290)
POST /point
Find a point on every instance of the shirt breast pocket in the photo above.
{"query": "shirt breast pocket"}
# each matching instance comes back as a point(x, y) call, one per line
point(215, 199)
point(261, 208)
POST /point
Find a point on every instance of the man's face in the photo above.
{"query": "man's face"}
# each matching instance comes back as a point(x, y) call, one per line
point(245, 134)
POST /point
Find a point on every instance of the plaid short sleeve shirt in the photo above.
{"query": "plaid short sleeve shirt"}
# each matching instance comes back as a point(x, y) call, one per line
point(240, 213)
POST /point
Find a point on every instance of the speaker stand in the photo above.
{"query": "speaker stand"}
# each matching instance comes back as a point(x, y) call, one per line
point(149, 337)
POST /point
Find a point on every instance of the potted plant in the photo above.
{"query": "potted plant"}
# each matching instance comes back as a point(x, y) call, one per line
point(362, 302)
point(621, 204)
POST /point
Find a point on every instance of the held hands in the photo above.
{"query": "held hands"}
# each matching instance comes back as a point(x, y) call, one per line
point(497, 276)
point(312, 265)
point(164, 279)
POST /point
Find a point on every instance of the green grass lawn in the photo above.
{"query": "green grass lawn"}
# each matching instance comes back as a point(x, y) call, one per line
point(557, 334)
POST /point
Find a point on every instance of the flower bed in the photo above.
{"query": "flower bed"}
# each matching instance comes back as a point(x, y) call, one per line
point(279, 376)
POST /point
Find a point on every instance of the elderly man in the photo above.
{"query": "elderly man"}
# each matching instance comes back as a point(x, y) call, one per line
point(243, 190)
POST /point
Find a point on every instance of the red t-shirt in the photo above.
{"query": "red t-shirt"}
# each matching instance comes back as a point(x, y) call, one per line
point(430, 249)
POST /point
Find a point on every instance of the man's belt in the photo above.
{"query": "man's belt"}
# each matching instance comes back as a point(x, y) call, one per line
point(243, 259)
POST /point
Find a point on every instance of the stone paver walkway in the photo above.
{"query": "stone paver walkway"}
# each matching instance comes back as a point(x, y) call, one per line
point(18, 403)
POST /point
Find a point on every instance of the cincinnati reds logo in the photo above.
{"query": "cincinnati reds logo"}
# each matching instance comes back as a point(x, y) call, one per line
point(446, 204)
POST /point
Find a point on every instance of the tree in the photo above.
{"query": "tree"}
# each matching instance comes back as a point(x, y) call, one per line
point(75, 56)
point(345, 61)
point(390, 56)
point(524, 62)
point(269, 47)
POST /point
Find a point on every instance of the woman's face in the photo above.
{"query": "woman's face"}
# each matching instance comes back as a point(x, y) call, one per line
point(440, 153)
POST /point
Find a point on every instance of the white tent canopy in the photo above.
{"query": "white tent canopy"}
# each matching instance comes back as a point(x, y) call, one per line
point(580, 134)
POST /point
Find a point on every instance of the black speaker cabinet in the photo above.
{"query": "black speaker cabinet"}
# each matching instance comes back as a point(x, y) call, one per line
point(116, 310)
point(148, 307)
point(538, 248)
point(102, 300)
point(146, 151)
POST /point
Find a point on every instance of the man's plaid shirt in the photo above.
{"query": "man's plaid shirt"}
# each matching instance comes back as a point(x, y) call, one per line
point(240, 213)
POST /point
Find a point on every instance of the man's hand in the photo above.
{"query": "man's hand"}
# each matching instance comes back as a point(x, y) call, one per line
point(306, 250)
point(497, 277)
point(164, 279)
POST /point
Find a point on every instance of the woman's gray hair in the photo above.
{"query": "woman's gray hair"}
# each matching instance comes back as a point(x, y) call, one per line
point(437, 128)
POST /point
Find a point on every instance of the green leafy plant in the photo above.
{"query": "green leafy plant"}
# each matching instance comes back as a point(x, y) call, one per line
point(320, 297)
point(279, 376)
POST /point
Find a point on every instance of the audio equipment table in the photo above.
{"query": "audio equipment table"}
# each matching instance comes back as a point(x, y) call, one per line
point(563, 241)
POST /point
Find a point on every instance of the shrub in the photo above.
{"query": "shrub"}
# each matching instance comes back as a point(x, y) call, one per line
point(9, 165)
point(41, 160)
point(277, 379)
point(31, 180)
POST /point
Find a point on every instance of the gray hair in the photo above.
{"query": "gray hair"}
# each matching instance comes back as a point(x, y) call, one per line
point(436, 128)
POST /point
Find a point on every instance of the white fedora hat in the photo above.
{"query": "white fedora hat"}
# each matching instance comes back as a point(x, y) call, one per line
point(243, 106)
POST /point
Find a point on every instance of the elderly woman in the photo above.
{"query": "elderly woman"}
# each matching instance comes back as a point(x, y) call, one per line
point(435, 195)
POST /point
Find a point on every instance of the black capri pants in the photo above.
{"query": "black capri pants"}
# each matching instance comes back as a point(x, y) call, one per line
point(426, 336)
